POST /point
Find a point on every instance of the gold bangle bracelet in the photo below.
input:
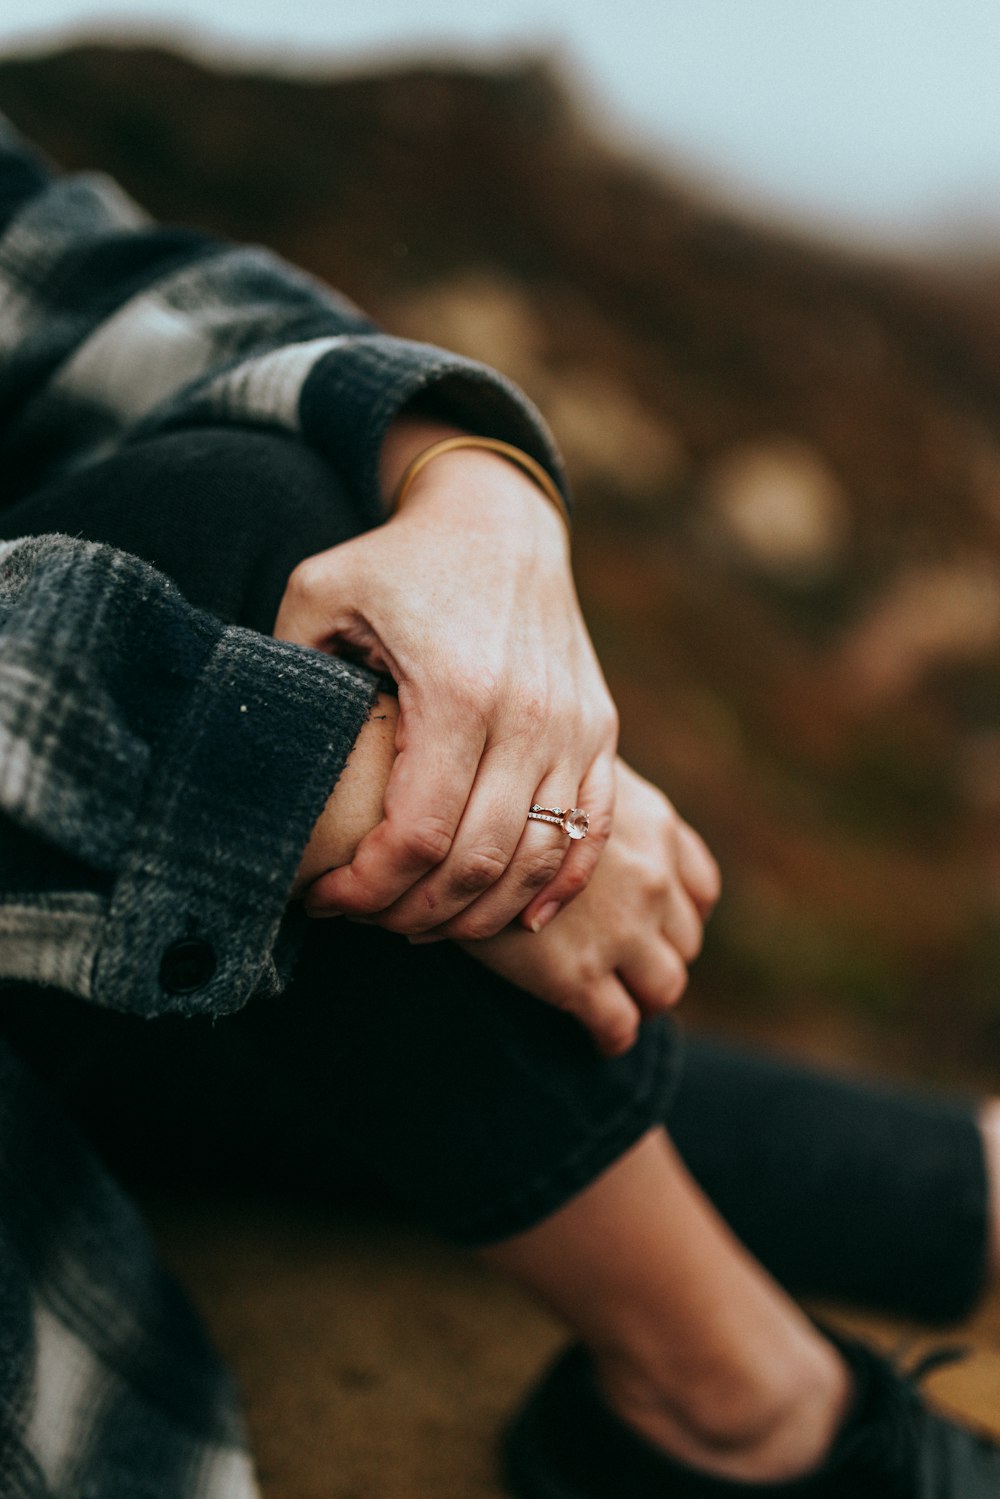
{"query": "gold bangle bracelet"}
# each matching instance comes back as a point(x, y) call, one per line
point(523, 461)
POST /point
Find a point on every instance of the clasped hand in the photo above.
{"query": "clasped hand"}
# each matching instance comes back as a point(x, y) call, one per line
point(620, 954)
point(466, 599)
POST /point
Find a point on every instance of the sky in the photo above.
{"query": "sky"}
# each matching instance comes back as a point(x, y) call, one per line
point(876, 119)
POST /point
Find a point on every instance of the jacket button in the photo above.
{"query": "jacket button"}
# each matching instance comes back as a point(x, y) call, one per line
point(187, 966)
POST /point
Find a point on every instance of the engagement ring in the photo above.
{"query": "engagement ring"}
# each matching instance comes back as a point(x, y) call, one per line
point(573, 820)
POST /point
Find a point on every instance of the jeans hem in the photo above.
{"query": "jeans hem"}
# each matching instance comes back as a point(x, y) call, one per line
point(546, 1193)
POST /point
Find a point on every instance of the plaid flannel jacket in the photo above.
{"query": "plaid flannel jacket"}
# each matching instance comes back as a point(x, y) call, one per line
point(159, 772)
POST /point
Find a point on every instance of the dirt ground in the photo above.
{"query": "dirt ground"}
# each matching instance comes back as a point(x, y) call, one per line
point(378, 1364)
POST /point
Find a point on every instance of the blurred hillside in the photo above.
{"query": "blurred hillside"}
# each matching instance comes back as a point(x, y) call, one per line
point(787, 463)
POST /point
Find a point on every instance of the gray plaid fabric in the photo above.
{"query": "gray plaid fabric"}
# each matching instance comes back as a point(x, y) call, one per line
point(108, 1386)
point(111, 327)
point(159, 776)
point(159, 773)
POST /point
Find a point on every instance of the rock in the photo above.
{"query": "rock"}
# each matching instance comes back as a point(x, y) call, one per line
point(780, 506)
point(608, 436)
point(946, 613)
point(484, 316)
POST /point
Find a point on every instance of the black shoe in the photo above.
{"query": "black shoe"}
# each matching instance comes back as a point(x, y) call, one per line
point(566, 1443)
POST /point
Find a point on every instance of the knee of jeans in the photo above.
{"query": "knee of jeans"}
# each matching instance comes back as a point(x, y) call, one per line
point(270, 481)
point(226, 512)
point(258, 503)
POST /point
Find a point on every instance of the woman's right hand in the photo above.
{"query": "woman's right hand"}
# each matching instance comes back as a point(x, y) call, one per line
point(621, 950)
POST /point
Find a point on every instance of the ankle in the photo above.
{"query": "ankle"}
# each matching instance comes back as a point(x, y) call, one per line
point(754, 1425)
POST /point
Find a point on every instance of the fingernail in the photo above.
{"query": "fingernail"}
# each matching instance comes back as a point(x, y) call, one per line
point(543, 916)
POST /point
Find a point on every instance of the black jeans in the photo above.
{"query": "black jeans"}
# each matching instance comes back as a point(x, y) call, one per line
point(421, 1070)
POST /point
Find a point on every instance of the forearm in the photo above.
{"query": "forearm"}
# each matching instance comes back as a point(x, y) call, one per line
point(159, 775)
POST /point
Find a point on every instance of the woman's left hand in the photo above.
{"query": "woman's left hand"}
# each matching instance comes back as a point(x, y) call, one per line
point(466, 599)
point(621, 952)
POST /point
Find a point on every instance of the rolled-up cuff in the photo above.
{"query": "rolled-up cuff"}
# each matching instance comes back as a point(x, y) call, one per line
point(355, 392)
point(230, 804)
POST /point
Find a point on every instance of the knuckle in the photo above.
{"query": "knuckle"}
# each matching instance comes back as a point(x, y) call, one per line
point(669, 820)
point(675, 980)
point(401, 923)
point(478, 871)
point(475, 926)
point(358, 897)
point(591, 970)
point(307, 577)
point(610, 723)
point(427, 841)
point(533, 709)
point(411, 914)
point(617, 1034)
point(563, 995)
point(538, 867)
point(575, 880)
point(473, 688)
point(601, 826)
point(693, 943)
point(573, 993)
point(589, 852)
point(705, 874)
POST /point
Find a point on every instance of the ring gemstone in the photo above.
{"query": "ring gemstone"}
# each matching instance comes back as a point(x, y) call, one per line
point(576, 822)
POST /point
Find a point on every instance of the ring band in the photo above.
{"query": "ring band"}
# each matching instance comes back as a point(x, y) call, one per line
point(573, 820)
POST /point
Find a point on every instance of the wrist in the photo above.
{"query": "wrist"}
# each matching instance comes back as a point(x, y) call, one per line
point(404, 440)
point(495, 447)
point(500, 485)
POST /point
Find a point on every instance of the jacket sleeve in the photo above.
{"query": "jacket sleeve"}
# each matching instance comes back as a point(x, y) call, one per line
point(111, 328)
point(160, 774)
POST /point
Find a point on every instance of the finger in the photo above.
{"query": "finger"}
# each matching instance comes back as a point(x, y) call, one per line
point(596, 796)
point(318, 899)
point(425, 797)
point(655, 976)
point(609, 1014)
point(488, 854)
point(697, 868)
point(683, 926)
point(538, 856)
point(540, 853)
